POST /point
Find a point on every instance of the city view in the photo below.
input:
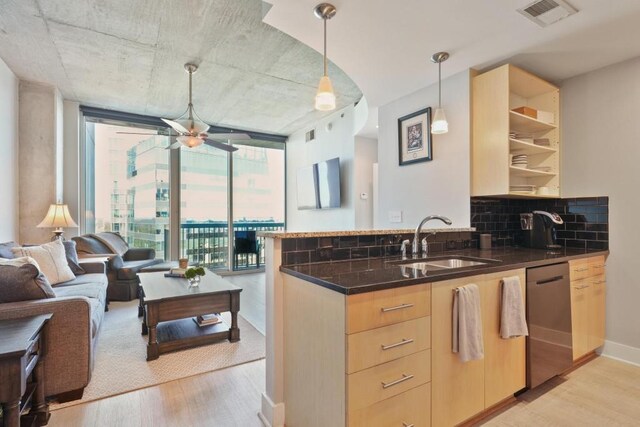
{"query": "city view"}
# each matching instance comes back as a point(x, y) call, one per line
point(129, 192)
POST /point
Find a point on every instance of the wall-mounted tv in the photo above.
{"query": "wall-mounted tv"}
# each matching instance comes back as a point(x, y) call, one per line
point(318, 185)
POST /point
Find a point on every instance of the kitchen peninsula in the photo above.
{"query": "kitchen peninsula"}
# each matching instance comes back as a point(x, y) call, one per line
point(367, 340)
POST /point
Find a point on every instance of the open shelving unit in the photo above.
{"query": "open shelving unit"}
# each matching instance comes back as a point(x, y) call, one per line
point(495, 94)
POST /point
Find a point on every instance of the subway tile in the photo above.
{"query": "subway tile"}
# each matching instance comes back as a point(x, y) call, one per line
point(586, 235)
point(340, 254)
point(597, 245)
point(375, 251)
point(288, 245)
point(366, 240)
point(325, 242)
point(307, 243)
point(357, 253)
point(348, 241)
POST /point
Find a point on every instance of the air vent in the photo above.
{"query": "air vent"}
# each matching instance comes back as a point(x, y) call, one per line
point(310, 136)
point(547, 12)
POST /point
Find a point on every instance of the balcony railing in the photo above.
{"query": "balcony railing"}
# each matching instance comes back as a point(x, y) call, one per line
point(206, 243)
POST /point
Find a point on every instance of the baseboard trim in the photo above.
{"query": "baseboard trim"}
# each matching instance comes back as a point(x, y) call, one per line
point(271, 414)
point(621, 352)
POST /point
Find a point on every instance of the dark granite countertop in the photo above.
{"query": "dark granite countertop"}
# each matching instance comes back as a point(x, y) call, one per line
point(373, 274)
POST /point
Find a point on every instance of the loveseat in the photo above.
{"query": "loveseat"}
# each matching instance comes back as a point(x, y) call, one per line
point(78, 311)
point(123, 265)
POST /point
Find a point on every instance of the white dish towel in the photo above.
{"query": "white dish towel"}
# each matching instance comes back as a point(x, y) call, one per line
point(467, 323)
point(513, 321)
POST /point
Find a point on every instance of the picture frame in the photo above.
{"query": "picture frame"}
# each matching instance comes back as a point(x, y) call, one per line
point(414, 138)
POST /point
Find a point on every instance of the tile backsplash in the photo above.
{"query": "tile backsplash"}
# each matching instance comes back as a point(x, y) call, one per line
point(320, 249)
point(586, 220)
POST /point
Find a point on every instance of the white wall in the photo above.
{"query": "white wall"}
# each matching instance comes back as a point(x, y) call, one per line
point(441, 186)
point(338, 142)
point(600, 154)
point(8, 154)
point(365, 155)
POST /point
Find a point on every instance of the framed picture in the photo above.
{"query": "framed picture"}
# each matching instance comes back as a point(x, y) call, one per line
point(414, 137)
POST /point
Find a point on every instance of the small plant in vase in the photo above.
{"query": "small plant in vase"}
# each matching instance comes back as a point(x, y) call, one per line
point(193, 275)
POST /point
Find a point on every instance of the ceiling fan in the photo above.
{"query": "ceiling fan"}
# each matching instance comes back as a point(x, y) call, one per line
point(192, 132)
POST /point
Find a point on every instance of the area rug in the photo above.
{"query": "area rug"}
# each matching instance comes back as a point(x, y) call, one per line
point(121, 364)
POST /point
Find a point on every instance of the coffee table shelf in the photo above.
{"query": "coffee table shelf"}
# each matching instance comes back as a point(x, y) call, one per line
point(169, 304)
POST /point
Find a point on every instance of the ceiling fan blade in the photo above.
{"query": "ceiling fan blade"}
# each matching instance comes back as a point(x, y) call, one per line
point(229, 136)
point(176, 126)
point(140, 133)
point(174, 146)
point(220, 145)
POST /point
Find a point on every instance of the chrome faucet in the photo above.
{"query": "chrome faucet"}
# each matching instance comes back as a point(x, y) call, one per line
point(416, 237)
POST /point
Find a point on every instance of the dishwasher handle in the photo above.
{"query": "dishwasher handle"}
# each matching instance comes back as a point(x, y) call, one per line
point(550, 280)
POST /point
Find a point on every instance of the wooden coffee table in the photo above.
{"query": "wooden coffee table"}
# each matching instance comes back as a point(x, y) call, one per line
point(170, 305)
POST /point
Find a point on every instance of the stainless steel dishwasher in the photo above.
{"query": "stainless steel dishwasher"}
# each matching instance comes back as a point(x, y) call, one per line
point(549, 346)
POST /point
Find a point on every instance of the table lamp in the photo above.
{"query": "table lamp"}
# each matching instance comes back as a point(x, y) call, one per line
point(58, 217)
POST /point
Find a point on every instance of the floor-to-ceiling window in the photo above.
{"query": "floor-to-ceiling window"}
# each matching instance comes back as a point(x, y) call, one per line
point(127, 183)
point(129, 174)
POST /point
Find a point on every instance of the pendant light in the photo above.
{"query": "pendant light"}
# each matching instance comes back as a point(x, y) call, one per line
point(325, 97)
point(439, 124)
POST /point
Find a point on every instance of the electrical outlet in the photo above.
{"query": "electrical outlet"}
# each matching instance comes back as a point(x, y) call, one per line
point(451, 244)
point(395, 216)
point(466, 244)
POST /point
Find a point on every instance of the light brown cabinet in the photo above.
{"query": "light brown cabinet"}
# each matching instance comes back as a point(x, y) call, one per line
point(462, 390)
point(499, 133)
point(588, 300)
point(365, 358)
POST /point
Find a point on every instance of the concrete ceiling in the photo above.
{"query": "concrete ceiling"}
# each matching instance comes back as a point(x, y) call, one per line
point(385, 46)
point(128, 55)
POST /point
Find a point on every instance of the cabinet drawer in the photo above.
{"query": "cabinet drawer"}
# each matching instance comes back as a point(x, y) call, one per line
point(579, 269)
point(411, 408)
point(596, 266)
point(381, 308)
point(381, 382)
point(370, 348)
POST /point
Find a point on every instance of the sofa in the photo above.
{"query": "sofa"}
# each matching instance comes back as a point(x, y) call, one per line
point(123, 265)
point(78, 308)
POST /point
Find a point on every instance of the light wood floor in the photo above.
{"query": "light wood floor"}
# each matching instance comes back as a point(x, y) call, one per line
point(225, 398)
point(604, 392)
point(252, 298)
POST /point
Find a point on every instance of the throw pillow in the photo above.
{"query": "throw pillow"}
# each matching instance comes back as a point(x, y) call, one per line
point(19, 262)
point(72, 257)
point(5, 249)
point(51, 258)
point(23, 283)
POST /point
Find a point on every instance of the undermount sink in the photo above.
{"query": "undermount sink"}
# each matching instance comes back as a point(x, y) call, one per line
point(446, 263)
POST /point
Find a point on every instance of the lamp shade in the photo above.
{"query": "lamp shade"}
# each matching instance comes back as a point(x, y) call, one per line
point(58, 216)
point(325, 98)
point(190, 141)
point(439, 124)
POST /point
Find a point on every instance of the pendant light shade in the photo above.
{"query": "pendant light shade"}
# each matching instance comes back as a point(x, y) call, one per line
point(439, 124)
point(325, 97)
point(190, 141)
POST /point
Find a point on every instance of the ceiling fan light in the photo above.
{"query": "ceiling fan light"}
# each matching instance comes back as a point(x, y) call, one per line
point(325, 97)
point(194, 126)
point(189, 141)
point(439, 124)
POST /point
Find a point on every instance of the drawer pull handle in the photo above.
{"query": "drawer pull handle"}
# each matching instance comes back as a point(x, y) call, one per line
point(398, 381)
point(408, 425)
point(398, 344)
point(581, 269)
point(397, 307)
point(580, 287)
point(599, 282)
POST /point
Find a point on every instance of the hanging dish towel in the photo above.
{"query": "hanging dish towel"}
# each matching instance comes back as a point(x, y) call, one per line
point(513, 321)
point(467, 323)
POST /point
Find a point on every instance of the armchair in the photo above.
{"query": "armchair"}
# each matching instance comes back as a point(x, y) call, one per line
point(123, 265)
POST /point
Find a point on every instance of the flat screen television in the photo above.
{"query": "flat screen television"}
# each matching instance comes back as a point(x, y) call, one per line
point(318, 185)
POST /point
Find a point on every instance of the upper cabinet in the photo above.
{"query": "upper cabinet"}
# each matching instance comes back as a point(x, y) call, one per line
point(516, 135)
